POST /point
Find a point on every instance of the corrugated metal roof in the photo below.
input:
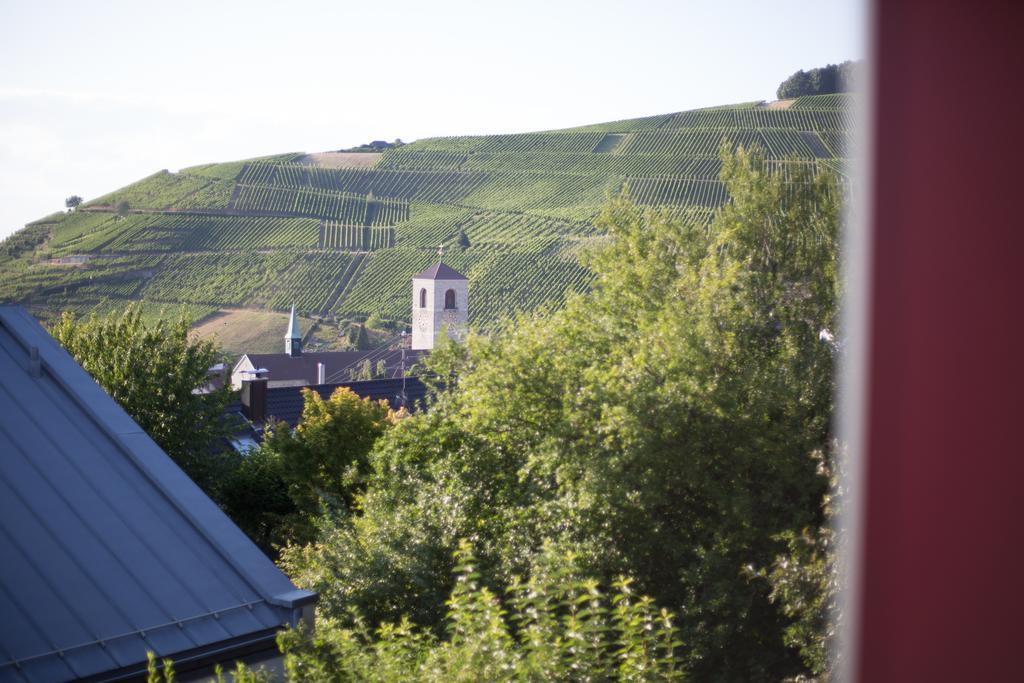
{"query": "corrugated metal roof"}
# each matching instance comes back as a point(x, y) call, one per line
point(109, 549)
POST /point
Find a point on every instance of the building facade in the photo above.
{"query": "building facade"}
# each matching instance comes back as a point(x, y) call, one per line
point(440, 305)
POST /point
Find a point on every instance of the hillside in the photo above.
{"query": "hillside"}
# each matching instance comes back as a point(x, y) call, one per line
point(340, 235)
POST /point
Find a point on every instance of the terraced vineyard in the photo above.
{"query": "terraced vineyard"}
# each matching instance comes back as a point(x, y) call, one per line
point(514, 212)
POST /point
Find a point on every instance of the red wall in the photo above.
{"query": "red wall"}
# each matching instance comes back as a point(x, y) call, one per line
point(943, 586)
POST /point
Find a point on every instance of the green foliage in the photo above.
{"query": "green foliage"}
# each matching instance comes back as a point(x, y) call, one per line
point(805, 581)
point(557, 626)
point(163, 672)
point(255, 495)
point(826, 80)
point(152, 370)
point(276, 491)
point(658, 427)
point(230, 278)
point(182, 232)
point(357, 337)
point(324, 460)
point(159, 673)
point(362, 372)
point(158, 191)
point(23, 241)
point(73, 201)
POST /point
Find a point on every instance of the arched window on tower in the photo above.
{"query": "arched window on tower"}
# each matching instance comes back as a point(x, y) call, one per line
point(423, 298)
point(449, 299)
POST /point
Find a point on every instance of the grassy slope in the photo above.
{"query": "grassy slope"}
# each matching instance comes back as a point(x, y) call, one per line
point(343, 242)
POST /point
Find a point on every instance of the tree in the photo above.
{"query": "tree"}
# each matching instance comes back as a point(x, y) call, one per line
point(122, 209)
point(358, 337)
point(255, 496)
point(153, 372)
point(72, 202)
point(463, 239)
point(556, 626)
point(657, 427)
point(324, 461)
point(833, 78)
point(805, 580)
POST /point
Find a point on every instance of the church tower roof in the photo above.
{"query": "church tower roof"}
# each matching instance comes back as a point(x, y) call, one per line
point(440, 271)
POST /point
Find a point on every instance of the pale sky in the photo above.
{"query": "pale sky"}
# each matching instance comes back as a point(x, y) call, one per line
point(94, 96)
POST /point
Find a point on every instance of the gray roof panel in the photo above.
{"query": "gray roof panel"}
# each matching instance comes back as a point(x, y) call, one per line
point(109, 548)
point(439, 271)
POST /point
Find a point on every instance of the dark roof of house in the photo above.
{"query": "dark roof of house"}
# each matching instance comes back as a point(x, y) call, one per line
point(109, 549)
point(286, 403)
point(281, 366)
point(439, 271)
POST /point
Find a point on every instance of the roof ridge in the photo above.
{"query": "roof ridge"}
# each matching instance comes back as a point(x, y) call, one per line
point(440, 271)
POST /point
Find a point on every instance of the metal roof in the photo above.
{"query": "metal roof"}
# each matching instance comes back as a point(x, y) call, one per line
point(286, 403)
point(282, 367)
point(439, 271)
point(109, 549)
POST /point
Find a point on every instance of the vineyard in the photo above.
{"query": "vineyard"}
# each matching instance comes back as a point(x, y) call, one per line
point(342, 241)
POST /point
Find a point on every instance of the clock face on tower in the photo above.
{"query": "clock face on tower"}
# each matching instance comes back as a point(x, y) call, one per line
point(422, 324)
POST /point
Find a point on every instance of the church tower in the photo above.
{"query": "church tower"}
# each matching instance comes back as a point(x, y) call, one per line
point(293, 337)
point(439, 301)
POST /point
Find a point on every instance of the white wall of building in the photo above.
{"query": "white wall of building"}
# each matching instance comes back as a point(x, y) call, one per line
point(428, 322)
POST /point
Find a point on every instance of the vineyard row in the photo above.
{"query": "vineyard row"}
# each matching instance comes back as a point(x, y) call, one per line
point(344, 207)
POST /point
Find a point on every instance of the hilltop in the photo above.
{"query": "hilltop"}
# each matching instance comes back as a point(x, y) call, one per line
point(340, 234)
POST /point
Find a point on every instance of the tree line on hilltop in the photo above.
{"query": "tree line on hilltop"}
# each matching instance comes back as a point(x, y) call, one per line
point(826, 80)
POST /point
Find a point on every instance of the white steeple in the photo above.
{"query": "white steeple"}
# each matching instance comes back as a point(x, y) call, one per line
point(293, 337)
point(440, 301)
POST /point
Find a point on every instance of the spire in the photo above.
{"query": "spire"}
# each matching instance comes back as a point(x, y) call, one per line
point(293, 337)
point(293, 327)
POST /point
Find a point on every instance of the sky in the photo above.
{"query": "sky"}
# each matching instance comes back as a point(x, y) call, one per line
point(94, 96)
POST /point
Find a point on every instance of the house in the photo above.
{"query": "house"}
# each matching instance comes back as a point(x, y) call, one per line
point(260, 404)
point(298, 368)
point(440, 305)
point(109, 550)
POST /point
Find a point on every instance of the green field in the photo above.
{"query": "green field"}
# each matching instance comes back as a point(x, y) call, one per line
point(344, 242)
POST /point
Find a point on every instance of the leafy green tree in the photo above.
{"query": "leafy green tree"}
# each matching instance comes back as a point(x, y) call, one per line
point(558, 626)
point(154, 371)
point(358, 338)
point(122, 209)
point(832, 78)
point(255, 496)
point(72, 202)
point(658, 427)
point(323, 462)
point(805, 580)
